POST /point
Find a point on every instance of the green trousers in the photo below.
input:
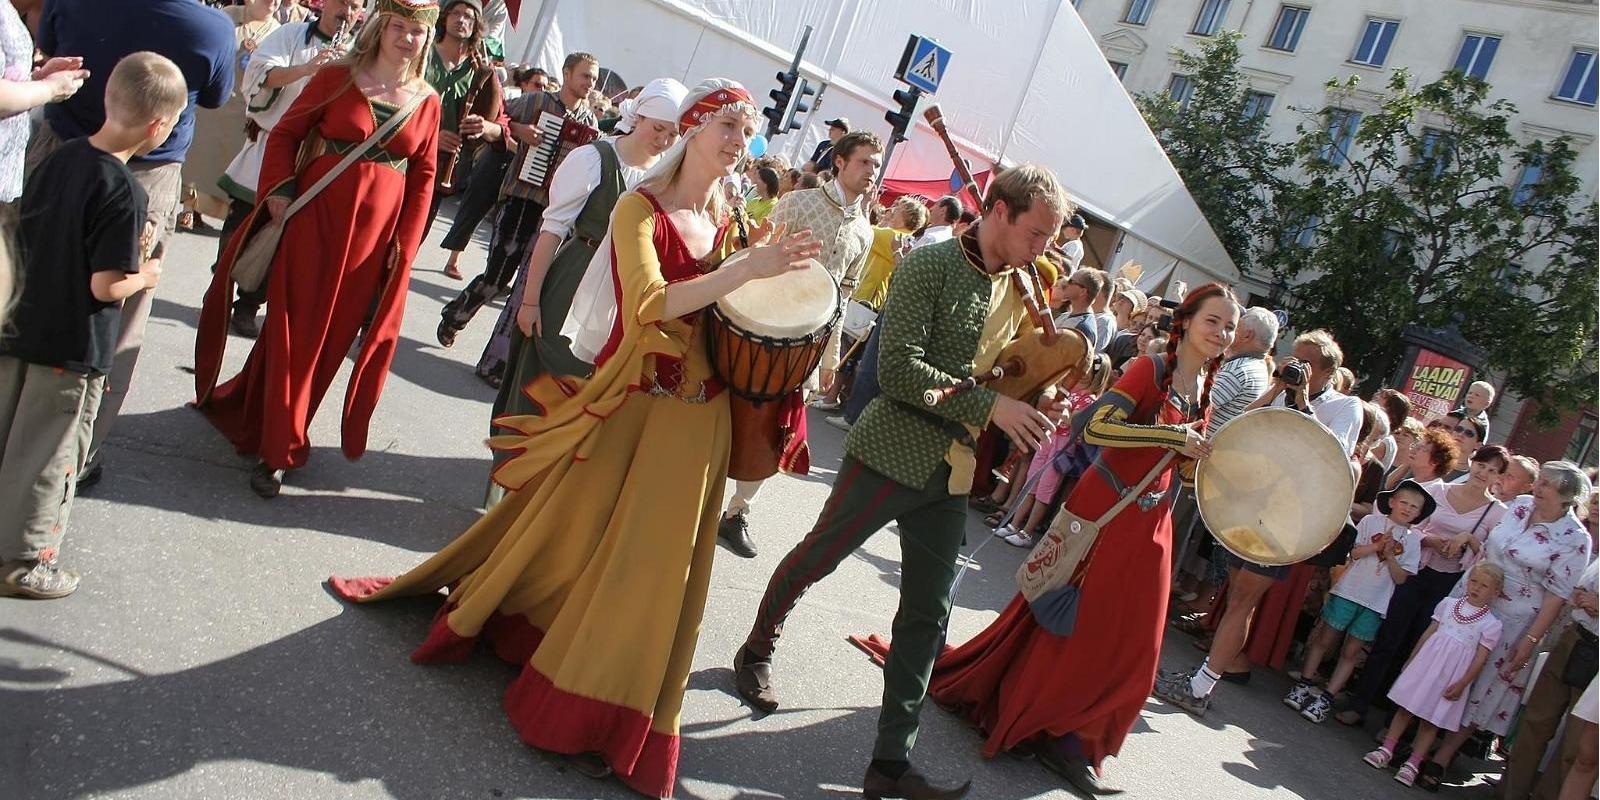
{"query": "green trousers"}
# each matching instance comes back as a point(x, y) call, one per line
point(932, 529)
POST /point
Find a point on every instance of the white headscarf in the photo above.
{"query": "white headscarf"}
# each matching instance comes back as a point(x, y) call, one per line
point(659, 99)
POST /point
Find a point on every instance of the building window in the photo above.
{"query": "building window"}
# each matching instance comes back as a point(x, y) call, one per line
point(1120, 69)
point(1436, 147)
point(1528, 182)
point(1307, 235)
point(1373, 49)
point(1209, 20)
point(1578, 84)
point(1286, 31)
point(1180, 89)
point(1581, 449)
point(1477, 53)
point(1509, 276)
point(1341, 130)
point(1257, 104)
point(1138, 12)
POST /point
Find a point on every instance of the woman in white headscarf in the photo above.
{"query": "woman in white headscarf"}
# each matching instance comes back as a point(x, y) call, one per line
point(583, 192)
point(589, 189)
point(592, 572)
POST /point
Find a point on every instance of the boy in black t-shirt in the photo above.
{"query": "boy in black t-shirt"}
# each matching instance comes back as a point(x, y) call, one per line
point(80, 230)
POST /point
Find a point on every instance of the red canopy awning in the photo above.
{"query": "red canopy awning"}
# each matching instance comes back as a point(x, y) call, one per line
point(930, 190)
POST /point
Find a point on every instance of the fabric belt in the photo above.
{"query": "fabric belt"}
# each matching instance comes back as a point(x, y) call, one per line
point(376, 155)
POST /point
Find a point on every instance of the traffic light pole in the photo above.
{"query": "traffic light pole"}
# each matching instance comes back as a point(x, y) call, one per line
point(790, 92)
point(900, 123)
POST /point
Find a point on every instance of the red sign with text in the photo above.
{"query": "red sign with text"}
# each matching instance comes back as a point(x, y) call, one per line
point(1435, 385)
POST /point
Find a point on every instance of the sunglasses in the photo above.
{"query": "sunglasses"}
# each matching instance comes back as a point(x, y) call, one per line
point(1466, 430)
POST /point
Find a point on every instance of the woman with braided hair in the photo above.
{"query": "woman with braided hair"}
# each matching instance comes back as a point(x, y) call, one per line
point(1072, 699)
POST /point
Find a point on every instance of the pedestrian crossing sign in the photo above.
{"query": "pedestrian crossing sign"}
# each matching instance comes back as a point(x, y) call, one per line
point(923, 64)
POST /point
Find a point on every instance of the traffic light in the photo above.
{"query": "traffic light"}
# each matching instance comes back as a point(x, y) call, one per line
point(780, 102)
point(801, 105)
point(900, 121)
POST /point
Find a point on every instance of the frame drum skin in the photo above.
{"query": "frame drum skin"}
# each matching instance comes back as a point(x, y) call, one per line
point(1277, 488)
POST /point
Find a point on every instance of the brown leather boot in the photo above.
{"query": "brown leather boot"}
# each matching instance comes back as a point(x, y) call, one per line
point(753, 680)
point(912, 785)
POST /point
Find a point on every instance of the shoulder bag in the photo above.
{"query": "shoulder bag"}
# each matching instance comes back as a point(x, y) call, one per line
point(1052, 576)
point(255, 257)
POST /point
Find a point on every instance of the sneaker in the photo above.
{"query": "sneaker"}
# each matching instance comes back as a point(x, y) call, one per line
point(1379, 758)
point(838, 422)
point(1020, 539)
point(1319, 709)
point(1003, 531)
point(824, 404)
point(1407, 776)
point(37, 580)
point(1299, 696)
point(1176, 690)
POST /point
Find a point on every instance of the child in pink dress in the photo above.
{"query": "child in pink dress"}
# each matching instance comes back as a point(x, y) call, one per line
point(1433, 686)
point(1032, 507)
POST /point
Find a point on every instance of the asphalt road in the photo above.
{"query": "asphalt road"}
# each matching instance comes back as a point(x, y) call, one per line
point(203, 658)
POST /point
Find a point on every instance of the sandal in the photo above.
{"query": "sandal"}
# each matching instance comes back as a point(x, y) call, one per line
point(446, 333)
point(1431, 776)
point(994, 519)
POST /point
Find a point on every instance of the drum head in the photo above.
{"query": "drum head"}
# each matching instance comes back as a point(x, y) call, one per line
point(1277, 487)
point(788, 306)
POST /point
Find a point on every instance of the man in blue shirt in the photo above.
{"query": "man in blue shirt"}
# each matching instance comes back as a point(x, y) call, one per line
point(200, 40)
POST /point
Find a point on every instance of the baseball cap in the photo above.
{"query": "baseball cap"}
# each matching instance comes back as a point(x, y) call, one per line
point(840, 122)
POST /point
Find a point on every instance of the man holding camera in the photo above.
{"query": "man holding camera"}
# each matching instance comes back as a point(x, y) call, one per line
point(1304, 383)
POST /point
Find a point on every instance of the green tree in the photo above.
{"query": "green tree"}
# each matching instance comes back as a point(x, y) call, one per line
point(1405, 215)
point(1217, 142)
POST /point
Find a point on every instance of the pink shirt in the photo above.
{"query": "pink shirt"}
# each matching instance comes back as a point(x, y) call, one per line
point(1446, 521)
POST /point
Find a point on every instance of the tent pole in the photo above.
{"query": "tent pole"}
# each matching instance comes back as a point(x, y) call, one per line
point(541, 29)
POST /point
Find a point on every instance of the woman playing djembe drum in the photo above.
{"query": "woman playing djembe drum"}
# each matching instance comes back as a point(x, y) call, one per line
point(1074, 698)
point(615, 490)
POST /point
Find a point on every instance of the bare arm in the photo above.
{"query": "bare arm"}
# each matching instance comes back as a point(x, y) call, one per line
point(111, 286)
point(1479, 658)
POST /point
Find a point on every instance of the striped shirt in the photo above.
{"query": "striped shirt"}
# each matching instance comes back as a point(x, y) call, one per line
point(1241, 381)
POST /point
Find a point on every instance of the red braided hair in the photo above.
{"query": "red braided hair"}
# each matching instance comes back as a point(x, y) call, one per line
point(1180, 321)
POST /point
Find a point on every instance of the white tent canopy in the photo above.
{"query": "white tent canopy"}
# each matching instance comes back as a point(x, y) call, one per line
point(1026, 83)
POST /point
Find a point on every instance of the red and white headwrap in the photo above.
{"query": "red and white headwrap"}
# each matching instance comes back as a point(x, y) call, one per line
point(714, 98)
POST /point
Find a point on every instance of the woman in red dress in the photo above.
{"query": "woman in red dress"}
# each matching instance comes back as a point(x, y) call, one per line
point(1074, 698)
point(345, 258)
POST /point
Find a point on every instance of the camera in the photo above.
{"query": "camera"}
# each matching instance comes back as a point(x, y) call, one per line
point(1292, 373)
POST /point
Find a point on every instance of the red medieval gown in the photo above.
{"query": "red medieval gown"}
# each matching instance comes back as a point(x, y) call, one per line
point(346, 254)
point(1017, 681)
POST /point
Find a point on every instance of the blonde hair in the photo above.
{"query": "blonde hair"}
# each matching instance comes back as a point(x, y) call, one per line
point(1490, 572)
point(1020, 186)
point(143, 87)
point(1327, 349)
point(915, 214)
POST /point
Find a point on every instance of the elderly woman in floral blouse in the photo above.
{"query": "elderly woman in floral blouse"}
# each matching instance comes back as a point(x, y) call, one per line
point(1543, 548)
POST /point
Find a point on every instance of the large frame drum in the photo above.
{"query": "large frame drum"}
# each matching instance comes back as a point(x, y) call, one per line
point(1277, 488)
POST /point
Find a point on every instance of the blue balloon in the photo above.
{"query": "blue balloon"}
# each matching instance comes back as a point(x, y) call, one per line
point(758, 145)
point(955, 180)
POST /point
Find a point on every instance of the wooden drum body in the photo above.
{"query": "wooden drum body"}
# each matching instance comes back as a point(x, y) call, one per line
point(766, 338)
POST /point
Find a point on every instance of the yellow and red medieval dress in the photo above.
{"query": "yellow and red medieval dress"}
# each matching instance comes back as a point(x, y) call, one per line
point(345, 255)
point(592, 573)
